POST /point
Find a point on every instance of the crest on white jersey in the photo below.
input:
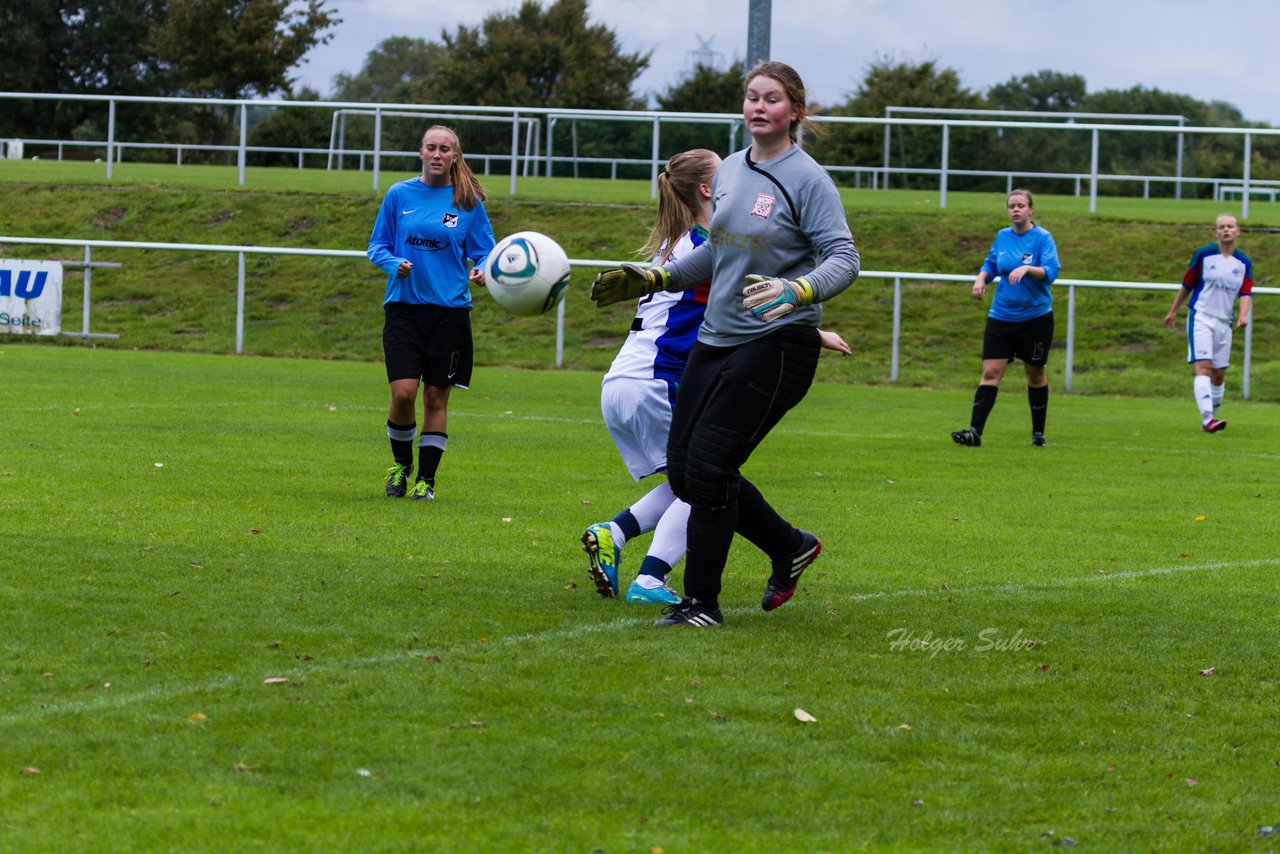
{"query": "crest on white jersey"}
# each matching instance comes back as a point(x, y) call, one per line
point(763, 206)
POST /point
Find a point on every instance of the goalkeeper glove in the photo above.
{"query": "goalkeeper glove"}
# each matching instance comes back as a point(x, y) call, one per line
point(630, 281)
point(770, 299)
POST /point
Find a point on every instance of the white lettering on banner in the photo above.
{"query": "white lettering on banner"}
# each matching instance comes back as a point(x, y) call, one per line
point(30, 297)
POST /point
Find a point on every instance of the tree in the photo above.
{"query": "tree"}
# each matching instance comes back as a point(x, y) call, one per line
point(399, 70)
point(237, 48)
point(703, 89)
point(889, 83)
point(539, 58)
point(1044, 91)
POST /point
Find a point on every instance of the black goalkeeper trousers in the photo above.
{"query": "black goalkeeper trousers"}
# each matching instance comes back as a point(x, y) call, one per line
point(728, 400)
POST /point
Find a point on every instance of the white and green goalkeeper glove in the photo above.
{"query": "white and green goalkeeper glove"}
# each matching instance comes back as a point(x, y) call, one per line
point(770, 299)
point(630, 281)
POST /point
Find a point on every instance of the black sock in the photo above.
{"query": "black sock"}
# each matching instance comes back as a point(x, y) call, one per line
point(1039, 400)
point(430, 450)
point(401, 436)
point(983, 400)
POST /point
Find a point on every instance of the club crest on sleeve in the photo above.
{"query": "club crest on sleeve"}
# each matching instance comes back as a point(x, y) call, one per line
point(450, 220)
point(763, 206)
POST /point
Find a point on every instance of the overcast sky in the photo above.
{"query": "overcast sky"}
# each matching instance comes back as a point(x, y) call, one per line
point(1228, 52)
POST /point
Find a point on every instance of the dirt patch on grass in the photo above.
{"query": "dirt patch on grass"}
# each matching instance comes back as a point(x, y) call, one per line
point(110, 217)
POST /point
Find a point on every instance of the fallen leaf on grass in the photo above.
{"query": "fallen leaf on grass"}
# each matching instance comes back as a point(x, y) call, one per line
point(29, 771)
point(1043, 667)
point(1209, 671)
point(1191, 781)
point(718, 716)
point(276, 680)
point(253, 531)
point(917, 803)
point(431, 659)
point(506, 519)
point(804, 717)
point(197, 718)
point(1201, 518)
point(241, 768)
point(159, 465)
point(905, 727)
point(1184, 554)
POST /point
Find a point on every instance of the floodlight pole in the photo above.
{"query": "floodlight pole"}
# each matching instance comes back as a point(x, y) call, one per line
point(759, 27)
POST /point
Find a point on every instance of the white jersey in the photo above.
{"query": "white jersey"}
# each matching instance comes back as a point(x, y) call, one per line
point(1215, 280)
point(664, 328)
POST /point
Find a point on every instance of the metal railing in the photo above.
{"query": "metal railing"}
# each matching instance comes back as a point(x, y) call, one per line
point(520, 116)
point(897, 277)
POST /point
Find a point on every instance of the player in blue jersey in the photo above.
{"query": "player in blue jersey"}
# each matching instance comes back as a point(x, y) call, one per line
point(1020, 323)
point(640, 388)
point(430, 237)
point(1217, 275)
point(779, 245)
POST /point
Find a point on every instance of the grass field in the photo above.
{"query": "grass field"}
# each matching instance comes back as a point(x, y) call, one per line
point(1093, 624)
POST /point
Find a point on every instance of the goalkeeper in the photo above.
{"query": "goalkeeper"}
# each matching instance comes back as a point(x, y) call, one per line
point(779, 246)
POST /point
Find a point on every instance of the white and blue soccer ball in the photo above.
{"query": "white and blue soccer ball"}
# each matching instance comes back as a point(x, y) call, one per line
point(527, 273)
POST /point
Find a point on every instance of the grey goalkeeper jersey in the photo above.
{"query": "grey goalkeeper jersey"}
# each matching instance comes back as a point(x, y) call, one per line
point(782, 218)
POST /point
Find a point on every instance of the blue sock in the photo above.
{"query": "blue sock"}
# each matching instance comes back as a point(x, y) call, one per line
point(630, 527)
point(655, 568)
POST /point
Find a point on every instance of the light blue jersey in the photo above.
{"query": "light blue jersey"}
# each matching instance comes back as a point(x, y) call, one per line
point(1029, 298)
point(420, 224)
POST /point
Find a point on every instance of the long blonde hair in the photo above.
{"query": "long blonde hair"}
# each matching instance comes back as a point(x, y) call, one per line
point(467, 190)
point(679, 200)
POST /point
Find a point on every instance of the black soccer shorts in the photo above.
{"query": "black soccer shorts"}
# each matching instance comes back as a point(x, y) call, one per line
point(1028, 340)
point(427, 342)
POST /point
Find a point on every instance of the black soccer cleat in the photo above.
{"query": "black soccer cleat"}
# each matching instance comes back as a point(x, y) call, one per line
point(398, 480)
point(967, 436)
point(690, 612)
point(423, 491)
point(787, 571)
point(1037, 440)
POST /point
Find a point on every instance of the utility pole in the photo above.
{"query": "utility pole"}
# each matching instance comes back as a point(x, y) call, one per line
point(759, 27)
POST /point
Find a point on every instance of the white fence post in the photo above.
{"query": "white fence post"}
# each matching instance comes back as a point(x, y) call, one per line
point(653, 170)
point(1071, 335)
point(377, 146)
point(897, 328)
point(946, 149)
point(240, 305)
point(560, 334)
point(1093, 174)
point(515, 152)
point(111, 135)
point(1248, 352)
point(1248, 158)
point(88, 275)
point(244, 136)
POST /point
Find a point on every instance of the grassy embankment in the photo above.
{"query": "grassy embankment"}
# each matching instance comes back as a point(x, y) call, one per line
point(328, 308)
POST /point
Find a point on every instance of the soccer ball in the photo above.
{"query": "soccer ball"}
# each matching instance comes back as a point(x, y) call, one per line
point(527, 273)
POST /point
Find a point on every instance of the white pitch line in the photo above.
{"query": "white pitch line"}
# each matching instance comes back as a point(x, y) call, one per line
point(118, 700)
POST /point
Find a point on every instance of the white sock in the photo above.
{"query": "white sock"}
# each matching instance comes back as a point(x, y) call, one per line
point(1218, 391)
point(649, 509)
point(648, 582)
point(1204, 398)
point(670, 535)
point(619, 538)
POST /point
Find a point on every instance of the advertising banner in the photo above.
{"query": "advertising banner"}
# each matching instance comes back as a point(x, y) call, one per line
point(30, 297)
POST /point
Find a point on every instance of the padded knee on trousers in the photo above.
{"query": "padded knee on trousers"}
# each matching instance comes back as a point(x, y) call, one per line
point(711, 470)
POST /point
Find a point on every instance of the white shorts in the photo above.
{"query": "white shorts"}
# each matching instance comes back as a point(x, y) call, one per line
point(1208, 339)
point(638, 415)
